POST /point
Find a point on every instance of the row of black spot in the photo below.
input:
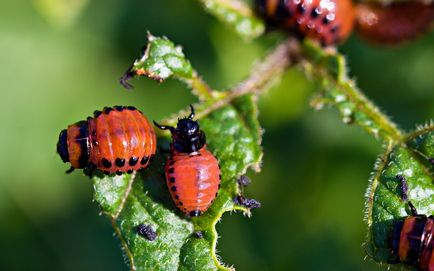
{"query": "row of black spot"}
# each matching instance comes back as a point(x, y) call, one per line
point(120, 162)
point(107, 110)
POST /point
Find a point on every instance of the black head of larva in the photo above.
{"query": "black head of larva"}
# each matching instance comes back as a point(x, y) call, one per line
point(187, 136)
point(62, 146)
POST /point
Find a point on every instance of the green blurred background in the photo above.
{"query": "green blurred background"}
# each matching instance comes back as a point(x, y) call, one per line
point(61, 59)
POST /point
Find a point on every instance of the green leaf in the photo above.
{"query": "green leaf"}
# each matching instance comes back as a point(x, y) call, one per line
point(328, 69)
point(238, 15)
point(384, 204)
point(234, 137)
point(161, 59)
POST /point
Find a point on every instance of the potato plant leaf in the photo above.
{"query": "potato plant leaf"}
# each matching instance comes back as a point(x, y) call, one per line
point(238, 15)
point(160, 60)
point(328, 69)
point(234, 137)
point(413, 160)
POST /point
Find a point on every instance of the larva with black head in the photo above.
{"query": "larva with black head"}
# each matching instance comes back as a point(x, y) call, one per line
point(116, 140)
point(192, 172)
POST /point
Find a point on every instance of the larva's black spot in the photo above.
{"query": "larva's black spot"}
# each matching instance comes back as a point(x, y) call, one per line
point(172, 179)
point(171, 163)
point(301, 8)
point(219, 186)
point(132, 108)
point(129, 171)
point(106, 172)
point(171, 170)
point(107, 110)
point(106, 163)
point(120, 162)
point(180, 203)
point(119, 108)
point(147, 232)
point(195, 213)
point(144, 160)
point(173, 188)
point(326, 20)
point(216, 194)
point(119, 173)
point(176, 197)
point(314, 13)
point(133, 161)
point(96, 113)
point(220, 176)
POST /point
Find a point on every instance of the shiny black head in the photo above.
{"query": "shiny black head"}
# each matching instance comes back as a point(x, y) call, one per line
point(187, 136)
point(187, 128)
point(62, 146)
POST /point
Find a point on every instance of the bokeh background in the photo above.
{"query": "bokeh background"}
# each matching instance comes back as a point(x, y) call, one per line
point(61, 59)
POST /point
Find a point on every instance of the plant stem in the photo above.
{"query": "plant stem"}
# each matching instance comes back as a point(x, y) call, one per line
point(339, 91)
point(260, 79)
point(200, 87)
point(328, 69)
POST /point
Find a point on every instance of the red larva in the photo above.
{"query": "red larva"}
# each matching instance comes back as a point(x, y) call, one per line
point(412, 238)
point(395, 23)
point(115, 140)
point(192, 172)
point(327, 21)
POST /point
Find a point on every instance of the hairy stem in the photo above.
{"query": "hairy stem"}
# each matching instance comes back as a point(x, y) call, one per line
point(261, 77)
point(328, 69)
point(200, 87)
point(340, 91)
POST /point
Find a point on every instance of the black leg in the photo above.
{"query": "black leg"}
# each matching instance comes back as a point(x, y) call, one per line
point(412, 208)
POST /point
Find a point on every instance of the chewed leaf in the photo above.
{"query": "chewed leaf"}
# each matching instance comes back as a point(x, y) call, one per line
point(160, 60)
point(234, 137)
point(385, 204)
point(238, 15)
point(328, 69)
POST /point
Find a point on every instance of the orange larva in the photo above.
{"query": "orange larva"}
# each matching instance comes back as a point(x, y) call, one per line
point(192, 172)
point(394, 23)
point(327, 21)
point(115, 140)
point(412, 238)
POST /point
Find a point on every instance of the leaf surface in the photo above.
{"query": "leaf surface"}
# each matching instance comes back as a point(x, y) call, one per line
point(234, 137)
point(384, 205)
